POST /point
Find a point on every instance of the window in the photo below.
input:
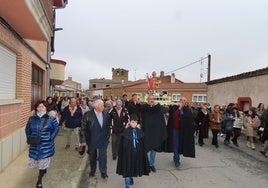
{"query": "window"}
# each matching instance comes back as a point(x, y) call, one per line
point(37, 84)
point(199, 98)
point(93, 85)
point(107, 85)
point(176, 97)
point(7, 73)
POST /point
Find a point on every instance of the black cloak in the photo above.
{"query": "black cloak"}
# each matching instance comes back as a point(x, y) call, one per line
point(186, 133)
point(168, 144)
point(132, 162)
point(153, 126)
point(202, 121)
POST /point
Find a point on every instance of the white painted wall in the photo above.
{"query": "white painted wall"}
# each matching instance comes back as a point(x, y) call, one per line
point(256, 88)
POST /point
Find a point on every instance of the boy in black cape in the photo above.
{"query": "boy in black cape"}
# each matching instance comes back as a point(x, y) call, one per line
point(132, 157)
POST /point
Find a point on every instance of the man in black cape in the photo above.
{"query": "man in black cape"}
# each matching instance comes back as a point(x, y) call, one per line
point(154, 128)
point(187, 130)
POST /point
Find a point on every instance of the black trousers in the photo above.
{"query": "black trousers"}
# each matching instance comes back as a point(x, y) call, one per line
point(229, 134)
point(115, 143)
point(101, 153)
point(237, 133)
point(200, 136)
point(215, 136)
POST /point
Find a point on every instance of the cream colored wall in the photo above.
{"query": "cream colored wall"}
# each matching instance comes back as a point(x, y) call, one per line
point(256, 88)
point(57, 71)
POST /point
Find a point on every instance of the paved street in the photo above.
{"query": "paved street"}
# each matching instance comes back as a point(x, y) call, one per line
point(223, 167)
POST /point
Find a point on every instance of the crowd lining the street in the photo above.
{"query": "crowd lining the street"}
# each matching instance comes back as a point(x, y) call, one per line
point(138, 131)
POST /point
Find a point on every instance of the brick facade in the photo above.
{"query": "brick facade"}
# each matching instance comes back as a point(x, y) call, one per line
point(25, 59)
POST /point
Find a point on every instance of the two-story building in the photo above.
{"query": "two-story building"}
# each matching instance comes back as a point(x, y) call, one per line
point(27, 29)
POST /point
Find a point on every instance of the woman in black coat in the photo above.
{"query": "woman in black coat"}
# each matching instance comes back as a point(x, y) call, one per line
point(202, 121)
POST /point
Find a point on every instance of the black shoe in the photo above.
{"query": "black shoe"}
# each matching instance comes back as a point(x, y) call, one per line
point(114, 158)
point(152, 168)
point(201, 144)
point(131, 181)
point(91, 174)
point(104, 175)
point(265, 154)
point(39, 185)
point(81, 150)
point(177, 165)
point(236, 144)
point(216, 145)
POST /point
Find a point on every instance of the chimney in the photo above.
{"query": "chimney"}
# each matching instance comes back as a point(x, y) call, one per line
point(172, 78)
point(162, 74)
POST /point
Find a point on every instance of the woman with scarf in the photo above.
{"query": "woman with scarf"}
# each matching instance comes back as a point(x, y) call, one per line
point(40, 125)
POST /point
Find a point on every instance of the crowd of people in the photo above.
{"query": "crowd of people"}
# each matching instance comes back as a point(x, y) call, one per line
point(138, 131)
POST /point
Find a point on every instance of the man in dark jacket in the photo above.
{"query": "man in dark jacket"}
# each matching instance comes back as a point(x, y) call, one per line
point(95, 133)
point(72, 115)
point(154, 128)
point(133, 106)
point(119, 118)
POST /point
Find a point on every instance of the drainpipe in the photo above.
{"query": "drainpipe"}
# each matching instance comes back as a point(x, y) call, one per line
point(48, 69)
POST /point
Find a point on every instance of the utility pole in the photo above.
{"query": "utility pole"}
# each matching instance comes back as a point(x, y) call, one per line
point(209, 66)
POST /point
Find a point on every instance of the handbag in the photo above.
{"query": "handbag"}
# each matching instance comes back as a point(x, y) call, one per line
point(35, 140)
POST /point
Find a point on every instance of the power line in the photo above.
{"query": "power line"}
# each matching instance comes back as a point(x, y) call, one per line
point(200, 60)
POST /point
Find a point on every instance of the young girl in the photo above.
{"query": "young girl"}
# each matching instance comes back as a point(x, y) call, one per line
point(132, 158)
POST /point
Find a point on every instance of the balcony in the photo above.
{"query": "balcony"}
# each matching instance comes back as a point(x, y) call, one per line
point(31, 19)
point(57, 72)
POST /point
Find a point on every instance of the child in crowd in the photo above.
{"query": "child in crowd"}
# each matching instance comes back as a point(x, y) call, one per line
point(132, 158)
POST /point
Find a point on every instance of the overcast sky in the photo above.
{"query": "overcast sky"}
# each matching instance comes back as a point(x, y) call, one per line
point(143, 36)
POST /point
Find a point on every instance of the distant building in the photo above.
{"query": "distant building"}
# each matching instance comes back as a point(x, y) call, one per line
point(119, 76)
point(167, 89)
point(68, 88)
point(246, 89)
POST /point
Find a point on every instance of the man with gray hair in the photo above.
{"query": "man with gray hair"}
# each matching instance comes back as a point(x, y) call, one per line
point(119, 119)
point(95, 132)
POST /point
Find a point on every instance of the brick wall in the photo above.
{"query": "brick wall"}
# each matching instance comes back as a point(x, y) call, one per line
point(25, 58)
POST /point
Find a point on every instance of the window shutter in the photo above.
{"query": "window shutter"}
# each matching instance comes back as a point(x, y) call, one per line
point(7, 73)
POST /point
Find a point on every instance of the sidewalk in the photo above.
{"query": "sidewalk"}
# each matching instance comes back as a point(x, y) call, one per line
point(65, 171)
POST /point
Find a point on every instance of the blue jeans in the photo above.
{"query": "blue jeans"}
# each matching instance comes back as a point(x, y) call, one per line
point(128, 180)
point(152, 157)
point(176, 157)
